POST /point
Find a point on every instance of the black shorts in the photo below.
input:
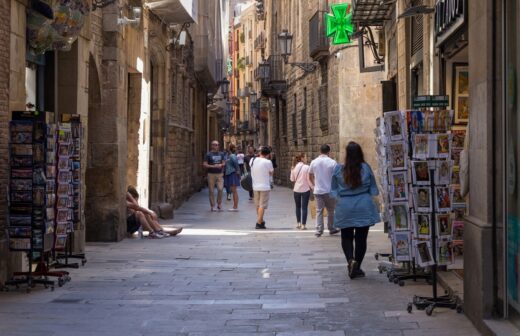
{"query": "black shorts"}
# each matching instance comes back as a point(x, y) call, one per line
point(132, 225)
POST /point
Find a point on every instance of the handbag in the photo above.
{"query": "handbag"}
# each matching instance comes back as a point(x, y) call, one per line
point(297, 175)
point(247, 181)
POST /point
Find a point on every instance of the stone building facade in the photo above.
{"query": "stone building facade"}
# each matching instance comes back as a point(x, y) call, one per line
point(142, 101)
point(325, 105)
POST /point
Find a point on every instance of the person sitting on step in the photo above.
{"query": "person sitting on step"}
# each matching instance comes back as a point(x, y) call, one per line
point(139, 217)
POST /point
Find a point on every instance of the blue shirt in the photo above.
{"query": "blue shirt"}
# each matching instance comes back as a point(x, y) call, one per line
point(215, 158)
point(354, 206)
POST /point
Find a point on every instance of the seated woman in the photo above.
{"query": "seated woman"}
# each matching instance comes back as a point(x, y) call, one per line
point(143, 217)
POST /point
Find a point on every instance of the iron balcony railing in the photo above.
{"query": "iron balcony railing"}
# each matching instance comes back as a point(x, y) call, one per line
point(260, 41)
point(318, 41)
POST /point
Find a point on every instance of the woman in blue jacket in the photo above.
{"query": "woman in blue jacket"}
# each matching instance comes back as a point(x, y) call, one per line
point(353, 185)
point(232, 175)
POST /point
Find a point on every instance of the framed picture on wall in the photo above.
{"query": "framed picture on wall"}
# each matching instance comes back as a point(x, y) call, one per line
point(461, 92)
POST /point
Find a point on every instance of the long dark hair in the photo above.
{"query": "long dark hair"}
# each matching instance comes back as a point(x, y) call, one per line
point(353, 159)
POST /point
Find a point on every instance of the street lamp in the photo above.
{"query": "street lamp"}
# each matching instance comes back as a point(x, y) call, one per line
point(264, 69)
point(224, 86)
point(285, 40)
point(252, 97)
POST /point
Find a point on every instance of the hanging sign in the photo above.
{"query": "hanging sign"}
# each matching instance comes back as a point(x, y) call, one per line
point(56, 27)
point(449, 17)
point(339, 23)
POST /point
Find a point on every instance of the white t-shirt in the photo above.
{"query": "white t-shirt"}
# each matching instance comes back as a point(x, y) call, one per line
point(240, 157)
point(260, 169)
point(323, 168)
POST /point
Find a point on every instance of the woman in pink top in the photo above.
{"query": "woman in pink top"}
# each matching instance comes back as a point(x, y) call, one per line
point(302, 188)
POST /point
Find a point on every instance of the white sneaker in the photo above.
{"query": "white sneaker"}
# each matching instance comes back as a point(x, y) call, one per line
point(298, 226)
point(233, 210)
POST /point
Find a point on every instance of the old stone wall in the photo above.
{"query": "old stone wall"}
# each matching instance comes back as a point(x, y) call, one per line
point(5, 12)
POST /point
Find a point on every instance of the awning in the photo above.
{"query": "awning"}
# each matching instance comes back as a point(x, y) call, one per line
point(174, 11)
point(371, 12)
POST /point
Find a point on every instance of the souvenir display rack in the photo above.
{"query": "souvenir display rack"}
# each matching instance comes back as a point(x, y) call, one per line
point(406, 270)
point(415, 150)
point(72, 155)
point(32, 195)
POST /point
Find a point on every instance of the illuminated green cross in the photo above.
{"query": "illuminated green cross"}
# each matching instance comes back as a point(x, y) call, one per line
point(340, 24)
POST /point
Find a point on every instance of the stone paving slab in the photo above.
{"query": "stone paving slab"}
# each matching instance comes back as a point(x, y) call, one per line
point(222, 277)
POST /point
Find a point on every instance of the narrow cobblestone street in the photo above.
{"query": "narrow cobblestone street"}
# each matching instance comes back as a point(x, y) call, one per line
point(219, 277)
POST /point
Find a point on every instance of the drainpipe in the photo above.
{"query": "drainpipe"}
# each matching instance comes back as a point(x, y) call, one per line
point(494, 235)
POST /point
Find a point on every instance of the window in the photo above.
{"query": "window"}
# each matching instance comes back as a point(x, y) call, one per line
point(303, 114)
point(294, 119)
point(284, 119)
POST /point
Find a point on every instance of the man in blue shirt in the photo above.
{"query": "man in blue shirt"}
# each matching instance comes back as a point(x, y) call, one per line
point(214, 162)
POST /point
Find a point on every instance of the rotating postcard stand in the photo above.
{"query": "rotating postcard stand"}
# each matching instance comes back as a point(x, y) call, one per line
point(435, 103)
point(430, 303)
point(31, 196)
point(69, 190)
point(392, 139)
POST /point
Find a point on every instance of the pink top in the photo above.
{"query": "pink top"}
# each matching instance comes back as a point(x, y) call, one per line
point(300, 177)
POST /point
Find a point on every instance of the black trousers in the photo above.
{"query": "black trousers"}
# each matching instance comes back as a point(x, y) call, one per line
point(302, 203)
point(359, 236)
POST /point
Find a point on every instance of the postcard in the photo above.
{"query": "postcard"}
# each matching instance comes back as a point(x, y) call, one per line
point(399, 186)
point(401, 217)
point(424, 253)
point(422, 225)
point(401, 242)
point(421, 173)
point(443, 225)
point(422, 199)
point(443, 199)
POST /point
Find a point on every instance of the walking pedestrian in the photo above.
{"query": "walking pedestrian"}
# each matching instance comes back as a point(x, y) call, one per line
point(272, 157)
point(240, 157)
point(214, 162)
point(320, 173)
point(353, 185)
point(302, 189)
point(261, 172)
point(247, 161)
point(232, 175)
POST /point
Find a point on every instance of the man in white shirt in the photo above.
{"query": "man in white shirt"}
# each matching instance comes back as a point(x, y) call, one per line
point(261, 172)
point(320, 173)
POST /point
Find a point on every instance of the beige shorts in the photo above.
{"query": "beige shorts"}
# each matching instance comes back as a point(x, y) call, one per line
point(261, 198)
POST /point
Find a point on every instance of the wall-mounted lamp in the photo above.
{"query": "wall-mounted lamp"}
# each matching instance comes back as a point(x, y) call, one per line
point(285, 40)
point(135, 20)
point(180, 38)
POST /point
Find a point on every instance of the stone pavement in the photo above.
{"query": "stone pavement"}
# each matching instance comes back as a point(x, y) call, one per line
point(221, 277)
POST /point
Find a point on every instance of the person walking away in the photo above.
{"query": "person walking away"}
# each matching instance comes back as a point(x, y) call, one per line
point(302, 188)
point(232, 175)
point(354, 185)
point(214, 163)
point(247, 161)
point(261, 172)
point(320, 173)
point(240, 157)
point(272, 157)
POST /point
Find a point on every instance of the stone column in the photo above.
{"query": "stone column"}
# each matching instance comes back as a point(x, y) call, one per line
point(478, 259)
point(107, 144)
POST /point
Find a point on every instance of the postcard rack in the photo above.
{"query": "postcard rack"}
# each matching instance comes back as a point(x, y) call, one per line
point(69, 191)
point(421, 194)
point(32, 196)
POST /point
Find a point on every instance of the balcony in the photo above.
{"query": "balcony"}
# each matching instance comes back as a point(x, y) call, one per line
point(275, 83)
point(260, 41)
point(371, 12)
point(248, 61)
point(318, 41)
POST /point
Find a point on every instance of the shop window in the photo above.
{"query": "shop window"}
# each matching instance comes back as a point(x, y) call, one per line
point(416, 31)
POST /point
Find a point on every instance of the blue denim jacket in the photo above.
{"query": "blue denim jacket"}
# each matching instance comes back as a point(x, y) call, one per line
point(232, 165)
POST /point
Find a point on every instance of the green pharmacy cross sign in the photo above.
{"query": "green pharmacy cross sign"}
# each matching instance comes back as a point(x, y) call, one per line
point(339, 23)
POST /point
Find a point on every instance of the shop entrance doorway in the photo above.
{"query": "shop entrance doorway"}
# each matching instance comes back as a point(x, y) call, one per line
point(157, 131)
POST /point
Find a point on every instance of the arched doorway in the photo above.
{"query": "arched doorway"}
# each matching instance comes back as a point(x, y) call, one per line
point(158, 129)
